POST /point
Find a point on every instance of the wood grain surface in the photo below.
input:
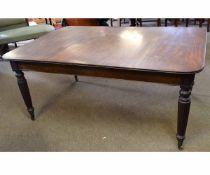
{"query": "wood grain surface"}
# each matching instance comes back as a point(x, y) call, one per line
point(164, 49)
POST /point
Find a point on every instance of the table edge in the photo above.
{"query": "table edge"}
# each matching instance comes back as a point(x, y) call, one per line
point(102, 66)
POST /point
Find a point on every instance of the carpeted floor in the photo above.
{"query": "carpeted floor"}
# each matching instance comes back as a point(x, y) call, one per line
point(98, 114)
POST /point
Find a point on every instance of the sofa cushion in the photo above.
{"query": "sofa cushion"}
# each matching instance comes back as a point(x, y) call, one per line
point(12, 23)
point(24, 33)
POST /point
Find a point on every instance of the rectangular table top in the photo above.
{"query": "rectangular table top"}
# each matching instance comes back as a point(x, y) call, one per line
point(163, 49)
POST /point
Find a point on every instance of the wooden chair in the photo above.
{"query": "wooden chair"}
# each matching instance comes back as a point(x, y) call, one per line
point(140, 21)
point(176, 21)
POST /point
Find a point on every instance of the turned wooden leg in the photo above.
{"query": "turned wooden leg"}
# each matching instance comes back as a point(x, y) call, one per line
point(23, 86)
point(184, 108)
point(76, 78)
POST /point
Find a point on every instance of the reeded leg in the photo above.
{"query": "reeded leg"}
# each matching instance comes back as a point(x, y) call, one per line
point(76, 78)
point(23, 86)
point(183, 108)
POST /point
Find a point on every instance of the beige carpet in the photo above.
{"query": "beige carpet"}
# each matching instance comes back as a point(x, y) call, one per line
point(98, 114)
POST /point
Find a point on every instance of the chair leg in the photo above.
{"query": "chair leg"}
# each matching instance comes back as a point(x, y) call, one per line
point(133, 22)
point(139, 21)
point(187, 22)
point(195, 21)
point(15, 44)
point(111, 22)
point(76, 78)
point(200, 22)
point(120, 22)
point(158, 22)
point(208, 24)
point(166, 22)
point(46, 21)
point(176, 22)
point(50, 19)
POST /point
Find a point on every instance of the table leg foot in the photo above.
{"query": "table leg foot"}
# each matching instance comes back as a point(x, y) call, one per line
point(76, 78)
point(180, 140)
point(23, 86)
point(31, 112)
point(184, 108)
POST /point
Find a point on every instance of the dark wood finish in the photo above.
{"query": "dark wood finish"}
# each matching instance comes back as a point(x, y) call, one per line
point(155, 49)
point(162, 55)
point(184, 107)
point(176, 22)
point(4, 48)
point(101, 71)
point(46, 20)
point(120, 22)
point(200, 22)
point(27, 22)
point(159, 22)
point(76, 78)
point(166, 22)
point(50, 20)
point(187, 22)
point(139, 21)
point(133, 22)
point(23, 86)
point(81, 22)
point(111, 22)
point(208, 24)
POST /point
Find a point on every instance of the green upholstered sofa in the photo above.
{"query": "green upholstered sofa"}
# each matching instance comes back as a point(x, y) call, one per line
point(13, 30)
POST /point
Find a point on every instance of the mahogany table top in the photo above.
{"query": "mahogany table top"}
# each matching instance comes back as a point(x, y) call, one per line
point(162, 49)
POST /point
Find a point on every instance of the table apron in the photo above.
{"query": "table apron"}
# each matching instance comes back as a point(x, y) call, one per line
point(106, 72)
